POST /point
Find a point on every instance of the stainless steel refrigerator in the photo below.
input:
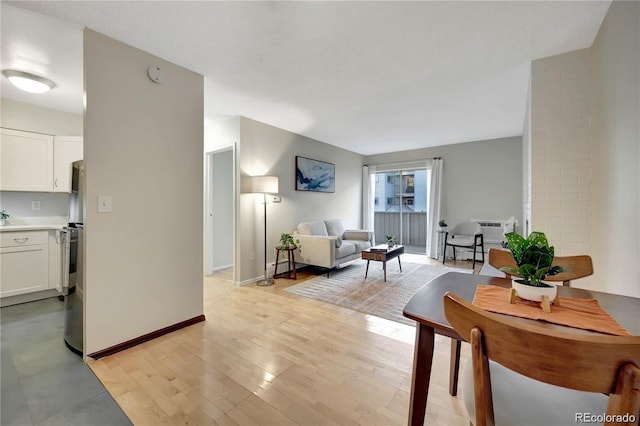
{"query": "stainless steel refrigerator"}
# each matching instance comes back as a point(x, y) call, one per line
point(74, 296)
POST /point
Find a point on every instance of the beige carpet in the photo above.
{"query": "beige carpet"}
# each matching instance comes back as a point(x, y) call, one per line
point(347, 287)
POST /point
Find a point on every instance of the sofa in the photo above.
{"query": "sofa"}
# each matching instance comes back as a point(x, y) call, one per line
point(326, 243)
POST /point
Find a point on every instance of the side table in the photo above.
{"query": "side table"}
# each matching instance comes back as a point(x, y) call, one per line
point(291, 263)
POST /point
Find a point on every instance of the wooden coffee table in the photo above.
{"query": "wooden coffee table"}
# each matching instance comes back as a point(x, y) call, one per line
point(376, 253)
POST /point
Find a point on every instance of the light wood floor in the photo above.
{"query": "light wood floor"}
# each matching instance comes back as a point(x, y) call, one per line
point(267, 357)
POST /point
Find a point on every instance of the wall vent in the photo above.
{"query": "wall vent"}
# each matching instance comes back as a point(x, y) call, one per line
point(492, 230)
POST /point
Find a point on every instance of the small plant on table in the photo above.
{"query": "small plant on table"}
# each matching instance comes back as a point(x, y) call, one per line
point(391, 240)
point(287, 241)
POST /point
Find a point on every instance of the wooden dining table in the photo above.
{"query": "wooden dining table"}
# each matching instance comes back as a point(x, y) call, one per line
point(427, 309)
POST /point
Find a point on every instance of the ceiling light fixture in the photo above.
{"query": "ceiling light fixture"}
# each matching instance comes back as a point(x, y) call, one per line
point(29, 82)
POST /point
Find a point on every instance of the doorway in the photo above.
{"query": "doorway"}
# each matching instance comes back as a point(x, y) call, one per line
point(400, 208)
point(219, 210)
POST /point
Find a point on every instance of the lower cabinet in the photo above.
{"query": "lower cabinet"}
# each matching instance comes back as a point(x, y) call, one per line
point(24, 256)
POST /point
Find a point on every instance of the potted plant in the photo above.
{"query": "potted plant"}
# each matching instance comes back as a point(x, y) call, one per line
point(287, 241)
point(3, 217)
point(533, 257)
point(391, 240)
point(442, 223)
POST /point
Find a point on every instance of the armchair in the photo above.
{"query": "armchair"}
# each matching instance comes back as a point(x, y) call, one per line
point(464, 235)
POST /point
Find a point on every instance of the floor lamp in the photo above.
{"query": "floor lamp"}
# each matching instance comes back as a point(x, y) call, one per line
point(263, 185)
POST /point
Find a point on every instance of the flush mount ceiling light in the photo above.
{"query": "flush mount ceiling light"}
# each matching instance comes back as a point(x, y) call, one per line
point(29, 82)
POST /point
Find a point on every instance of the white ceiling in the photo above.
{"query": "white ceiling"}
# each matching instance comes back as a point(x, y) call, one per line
point(368, 76)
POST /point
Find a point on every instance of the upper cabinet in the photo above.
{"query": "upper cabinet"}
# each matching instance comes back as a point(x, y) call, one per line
point(36, 162)
point(26, 161)
point(66, 150)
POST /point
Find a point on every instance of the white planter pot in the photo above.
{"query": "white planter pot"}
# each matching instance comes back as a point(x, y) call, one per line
point(534, 293)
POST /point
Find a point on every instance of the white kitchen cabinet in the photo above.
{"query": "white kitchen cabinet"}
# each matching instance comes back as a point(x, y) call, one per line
point(66, 150)
point(24, 256)
point(26, 161)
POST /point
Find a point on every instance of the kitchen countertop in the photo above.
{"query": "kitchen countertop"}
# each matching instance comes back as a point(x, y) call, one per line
point(39, 227)
point(34, 224)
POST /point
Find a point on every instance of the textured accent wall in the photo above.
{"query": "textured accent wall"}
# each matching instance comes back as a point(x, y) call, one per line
point(561, 151)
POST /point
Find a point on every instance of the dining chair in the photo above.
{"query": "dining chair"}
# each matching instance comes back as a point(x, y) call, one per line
point(497, 258)
point(577, 266)
point(523, 374)
point(464, 235)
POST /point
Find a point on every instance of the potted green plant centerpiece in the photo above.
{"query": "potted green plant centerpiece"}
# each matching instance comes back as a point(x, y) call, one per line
point(287, 241)
point(3, 217)
point(391, 240)
point(533, 257)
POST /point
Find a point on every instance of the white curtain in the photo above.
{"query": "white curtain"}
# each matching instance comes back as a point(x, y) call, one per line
point(434, 209)
point(368, 189)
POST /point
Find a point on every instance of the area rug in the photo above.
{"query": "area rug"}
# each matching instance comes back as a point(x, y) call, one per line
point(347, 287)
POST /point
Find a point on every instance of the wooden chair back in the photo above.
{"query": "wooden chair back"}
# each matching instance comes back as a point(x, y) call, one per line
point(499, 258)
point(578, 266)
point(591, 363)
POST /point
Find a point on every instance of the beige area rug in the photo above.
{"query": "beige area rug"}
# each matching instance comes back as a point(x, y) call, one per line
point(347, 287)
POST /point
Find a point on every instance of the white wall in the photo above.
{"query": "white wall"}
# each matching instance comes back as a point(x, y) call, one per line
point(526, 167)
point(267, 150)
point(482, 180)
point(144, 147)
point(561, 151)
point(585, 148)
point(616, 147)
point(222, 134)
point(31, 118)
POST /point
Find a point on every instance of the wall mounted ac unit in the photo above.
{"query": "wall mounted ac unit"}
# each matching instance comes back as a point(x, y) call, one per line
point(493, 235)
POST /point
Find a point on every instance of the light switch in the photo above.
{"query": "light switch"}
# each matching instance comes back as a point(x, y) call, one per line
point(104, 203)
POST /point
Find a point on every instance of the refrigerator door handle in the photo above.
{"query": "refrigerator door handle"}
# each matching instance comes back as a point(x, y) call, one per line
point(65, 242)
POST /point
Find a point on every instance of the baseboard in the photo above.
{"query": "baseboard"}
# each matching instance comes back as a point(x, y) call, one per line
point(249, 281)
point(28, 297)
point(145, 338)
point(220, 268)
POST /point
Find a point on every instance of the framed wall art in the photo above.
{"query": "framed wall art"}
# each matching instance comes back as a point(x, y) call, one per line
point(314, 175)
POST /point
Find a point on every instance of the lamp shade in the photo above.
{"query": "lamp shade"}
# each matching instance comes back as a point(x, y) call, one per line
point(260, 184)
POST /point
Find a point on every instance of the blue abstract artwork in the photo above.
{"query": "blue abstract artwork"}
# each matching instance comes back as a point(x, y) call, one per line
point(314, 175)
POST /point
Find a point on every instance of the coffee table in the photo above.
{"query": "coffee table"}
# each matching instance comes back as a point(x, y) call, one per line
point(378, 254)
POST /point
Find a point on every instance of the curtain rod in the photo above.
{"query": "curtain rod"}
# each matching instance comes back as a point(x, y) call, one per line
point(401, 162)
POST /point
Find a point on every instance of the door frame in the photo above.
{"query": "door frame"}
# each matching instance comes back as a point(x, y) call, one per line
point(208, 239)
